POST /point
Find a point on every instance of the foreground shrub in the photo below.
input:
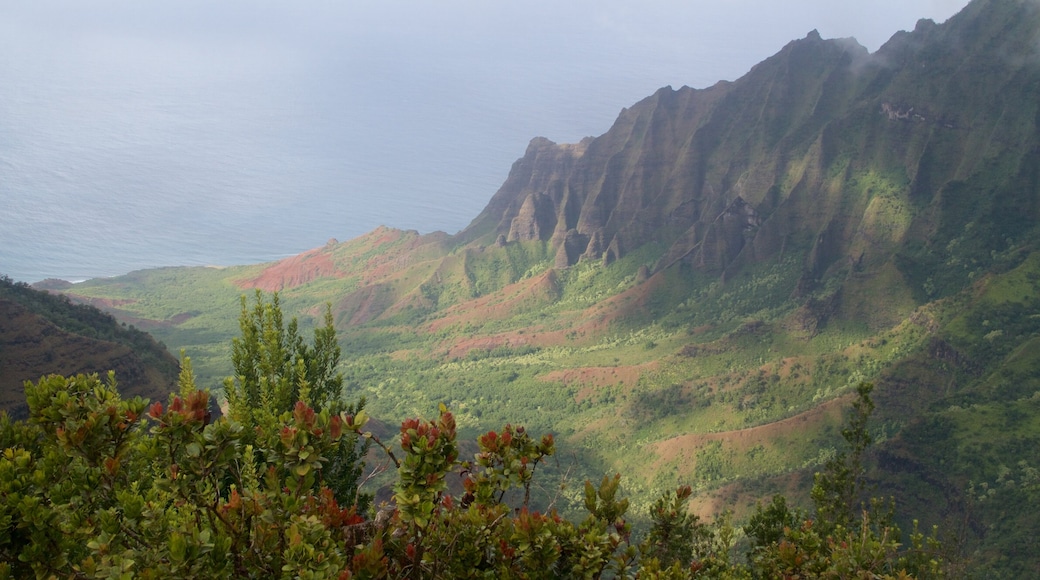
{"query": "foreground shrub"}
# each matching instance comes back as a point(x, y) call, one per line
point(92, 486)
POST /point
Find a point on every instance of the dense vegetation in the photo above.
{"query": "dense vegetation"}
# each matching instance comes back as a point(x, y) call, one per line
point(725, 373)
point(93, 486)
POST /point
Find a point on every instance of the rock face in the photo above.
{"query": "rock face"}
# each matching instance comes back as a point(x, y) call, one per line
point(824, 151)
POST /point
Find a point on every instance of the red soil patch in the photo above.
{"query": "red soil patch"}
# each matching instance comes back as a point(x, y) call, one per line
point(590, 323)
point(595, 321)
point(736, 496)
point(392, 260)
point(591, 379)
point(499, 305)
point(685, 446)
point(102, 303)
point(384, 235)
point(587, 324)
point(630, 302)
point(462, 347)
point(293, 272)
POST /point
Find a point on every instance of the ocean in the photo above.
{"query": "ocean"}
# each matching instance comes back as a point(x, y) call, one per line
point(136, 136)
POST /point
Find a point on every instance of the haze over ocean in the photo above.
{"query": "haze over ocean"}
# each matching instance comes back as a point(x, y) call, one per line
point(135, 135)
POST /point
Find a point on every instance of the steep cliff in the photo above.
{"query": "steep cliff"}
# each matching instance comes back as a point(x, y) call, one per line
point(824, 150)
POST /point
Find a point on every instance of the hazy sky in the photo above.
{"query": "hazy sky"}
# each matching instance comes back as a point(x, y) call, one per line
point(335, 116)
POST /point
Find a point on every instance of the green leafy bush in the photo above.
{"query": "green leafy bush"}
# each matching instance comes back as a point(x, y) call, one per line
point(92, 486)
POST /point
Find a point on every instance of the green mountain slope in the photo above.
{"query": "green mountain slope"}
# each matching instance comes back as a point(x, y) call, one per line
point(43, 334)
point(692, 295)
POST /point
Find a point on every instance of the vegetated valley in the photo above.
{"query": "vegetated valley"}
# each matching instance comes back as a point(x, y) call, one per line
point(693, 296)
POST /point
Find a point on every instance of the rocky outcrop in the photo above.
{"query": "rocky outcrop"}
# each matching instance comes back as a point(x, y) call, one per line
point(534, 221)
point(533, 199)
point(823, 152)
point(569, 248)
point(678, 167)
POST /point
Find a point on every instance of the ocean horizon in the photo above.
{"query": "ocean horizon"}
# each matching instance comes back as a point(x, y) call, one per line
point(137, 137)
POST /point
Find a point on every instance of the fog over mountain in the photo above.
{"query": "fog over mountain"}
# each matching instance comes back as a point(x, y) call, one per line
point(136, 135)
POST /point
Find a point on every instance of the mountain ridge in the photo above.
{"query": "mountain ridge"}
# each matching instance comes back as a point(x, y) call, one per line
point(729, 200)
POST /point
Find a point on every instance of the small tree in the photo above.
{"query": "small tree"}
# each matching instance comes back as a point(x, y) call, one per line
point(838, 489)
point(275, 370)
point(848, 538)
point(269, 363)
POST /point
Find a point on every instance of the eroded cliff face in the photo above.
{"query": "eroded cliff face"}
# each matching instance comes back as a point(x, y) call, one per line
point(822, 151)
point(688, 168)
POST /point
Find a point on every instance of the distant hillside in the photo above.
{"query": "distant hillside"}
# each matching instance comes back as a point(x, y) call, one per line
point(43, 334)
point(693, 295)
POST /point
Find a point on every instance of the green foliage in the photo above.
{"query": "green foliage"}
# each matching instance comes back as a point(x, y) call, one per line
point(838, 488)
point(846, 538)
point(277, 372)
point(270, 362)
point(506, 460)
point(430, 452)
point(89, 490)
point(403, 368)
point(741, 372)
point(978, 231)
point(674, 531)
point(93, 487)
point(767, 525)
point(840, 193)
